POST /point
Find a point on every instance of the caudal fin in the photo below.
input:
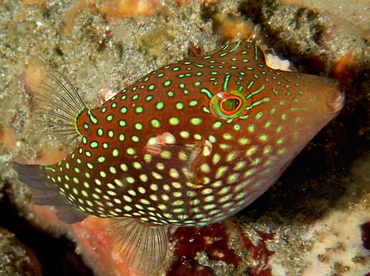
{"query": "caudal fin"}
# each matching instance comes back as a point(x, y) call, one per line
point(142, 247)
point(44, 192)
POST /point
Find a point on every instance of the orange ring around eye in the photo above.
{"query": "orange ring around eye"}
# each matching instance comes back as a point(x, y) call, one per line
point(228, 104)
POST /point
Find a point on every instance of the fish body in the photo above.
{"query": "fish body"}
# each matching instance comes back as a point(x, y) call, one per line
point(189, 144)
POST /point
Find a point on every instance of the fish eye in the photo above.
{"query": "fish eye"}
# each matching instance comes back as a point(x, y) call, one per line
point(228, 104)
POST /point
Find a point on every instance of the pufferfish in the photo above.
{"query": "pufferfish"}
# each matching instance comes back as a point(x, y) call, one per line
point(189, 144)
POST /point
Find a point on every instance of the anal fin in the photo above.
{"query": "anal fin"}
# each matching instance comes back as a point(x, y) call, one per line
point(44, 192)
point(142, 246)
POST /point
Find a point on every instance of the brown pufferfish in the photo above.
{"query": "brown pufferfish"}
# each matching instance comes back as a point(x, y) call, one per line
point(189, 144)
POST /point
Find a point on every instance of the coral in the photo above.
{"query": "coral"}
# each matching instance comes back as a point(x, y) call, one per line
point(190, 242)
point(365, 235)
point(16, 258)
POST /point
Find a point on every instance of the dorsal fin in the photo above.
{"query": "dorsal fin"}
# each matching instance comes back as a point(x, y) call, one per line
point(59, 106)
point(143, 247)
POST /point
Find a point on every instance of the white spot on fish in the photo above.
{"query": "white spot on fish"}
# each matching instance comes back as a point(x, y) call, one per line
point(207, 148)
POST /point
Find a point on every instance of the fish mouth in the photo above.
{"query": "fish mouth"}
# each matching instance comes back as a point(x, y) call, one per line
point(336, 102)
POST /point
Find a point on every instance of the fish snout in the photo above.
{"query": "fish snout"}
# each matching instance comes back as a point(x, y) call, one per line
point(336, 101)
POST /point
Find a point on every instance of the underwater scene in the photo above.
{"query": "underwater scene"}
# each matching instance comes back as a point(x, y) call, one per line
point(185, 138)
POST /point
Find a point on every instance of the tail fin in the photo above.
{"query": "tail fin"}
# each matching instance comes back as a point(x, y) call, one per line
point(143, 247)
point(44, 192)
